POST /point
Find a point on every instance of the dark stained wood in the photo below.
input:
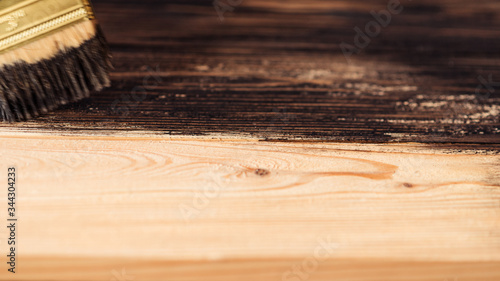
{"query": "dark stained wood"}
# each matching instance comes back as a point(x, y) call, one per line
point(275, 70)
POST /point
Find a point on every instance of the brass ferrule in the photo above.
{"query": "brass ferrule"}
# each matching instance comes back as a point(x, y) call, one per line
point(24, 21)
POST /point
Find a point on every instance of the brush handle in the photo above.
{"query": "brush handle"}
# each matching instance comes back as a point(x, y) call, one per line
point(24, 21)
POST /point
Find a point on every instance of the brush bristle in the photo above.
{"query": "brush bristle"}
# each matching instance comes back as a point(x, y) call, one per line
point(58, 69)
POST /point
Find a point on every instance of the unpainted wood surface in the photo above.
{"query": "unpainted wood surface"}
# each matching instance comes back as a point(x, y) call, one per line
point(214, 210)
point(275, 70)
point(250, 270)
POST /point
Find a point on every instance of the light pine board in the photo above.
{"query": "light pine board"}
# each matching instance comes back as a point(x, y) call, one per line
point(157, 208)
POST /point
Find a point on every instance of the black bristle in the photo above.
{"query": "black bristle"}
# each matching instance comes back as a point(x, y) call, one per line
point(14, 94)
point(57, 82)
point(69, 69)
point(33, 85)
point(28, 90)
point(28, 95)
point(5, 112)
point(90, 75)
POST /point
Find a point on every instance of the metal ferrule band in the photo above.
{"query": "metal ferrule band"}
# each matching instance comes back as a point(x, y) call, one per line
point(24, 21)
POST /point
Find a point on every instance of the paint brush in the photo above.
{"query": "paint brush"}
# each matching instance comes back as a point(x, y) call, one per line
point(52, 52)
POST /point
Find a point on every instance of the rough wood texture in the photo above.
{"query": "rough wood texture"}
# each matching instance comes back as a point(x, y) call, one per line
point(90, 207)
point(275, 70)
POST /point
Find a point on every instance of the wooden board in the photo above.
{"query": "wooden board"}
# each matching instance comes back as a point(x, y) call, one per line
point(275, 70)
point(233, 147)
point(90, 208)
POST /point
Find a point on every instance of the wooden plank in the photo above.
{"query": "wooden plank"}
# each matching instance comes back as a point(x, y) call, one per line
point(275, 269)
point(166, 174)
point(275, 70)
point(201, 209)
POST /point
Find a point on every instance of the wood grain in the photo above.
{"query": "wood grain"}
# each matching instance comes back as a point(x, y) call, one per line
point(219, 209)
point(275, 70)
point(228, 270)
point(233, 150)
